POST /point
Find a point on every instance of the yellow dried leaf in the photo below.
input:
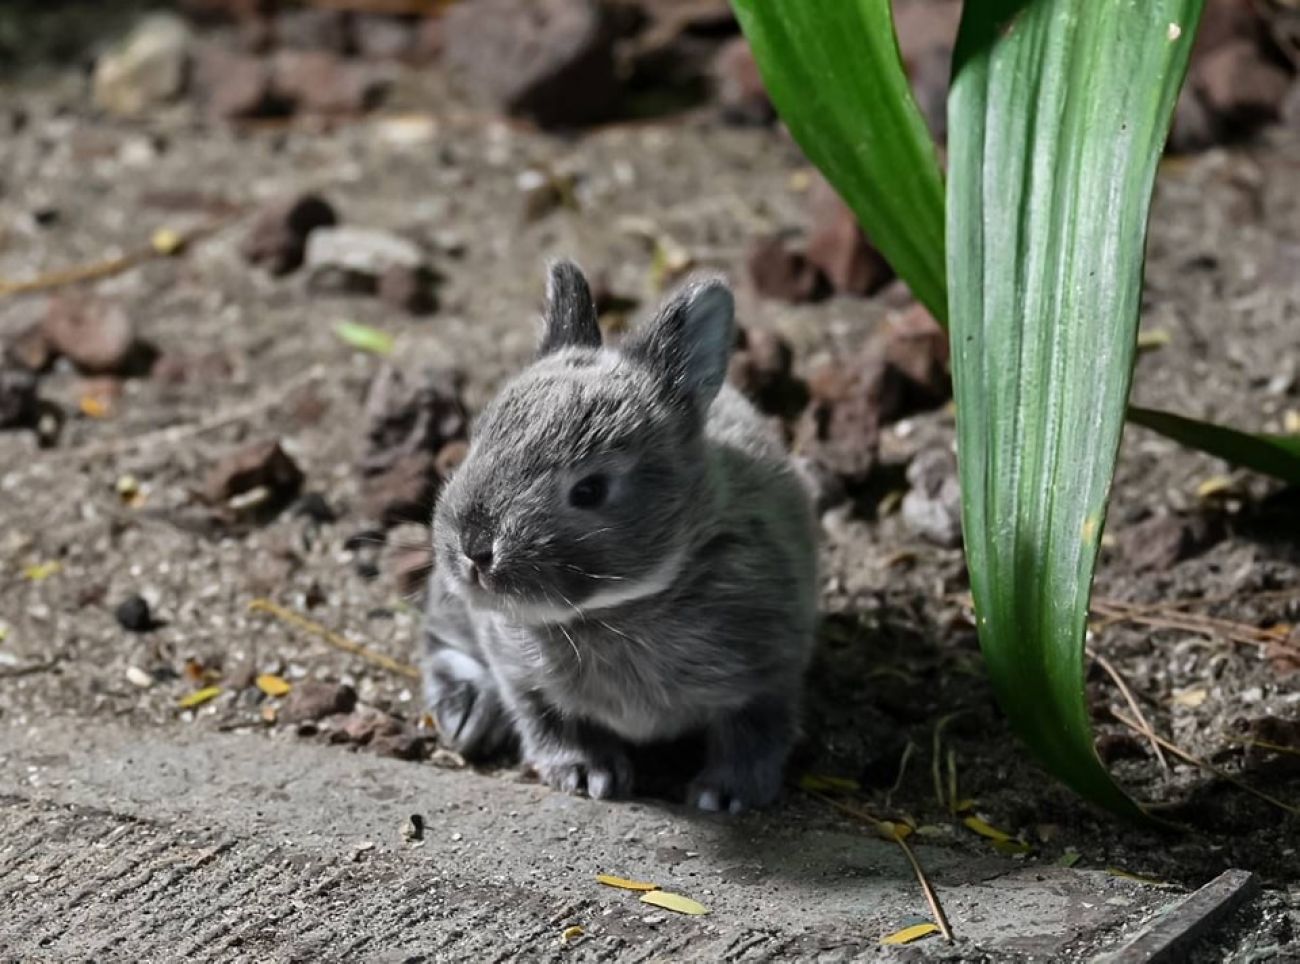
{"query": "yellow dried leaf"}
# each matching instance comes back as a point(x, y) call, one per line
point(40, 571)
point(1153, 339)
point(93, 407)
point(198, 697)
point(1215, 485)
point(1011, 848)
point(167, 242)
point(273, 685)
point(1291, 422)
point(571, 934)
point(909, 934)
point(609, 880)
point(1191, 697)
point(961, 806)
point(1140, 878)
point(891, 830)
point(815, 783)
point(674, 902)
point(984, 829)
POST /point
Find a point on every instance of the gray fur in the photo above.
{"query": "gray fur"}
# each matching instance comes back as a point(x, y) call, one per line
point(687, 601)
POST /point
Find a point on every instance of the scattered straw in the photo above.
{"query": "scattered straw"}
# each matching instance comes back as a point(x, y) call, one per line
point(1132, 702)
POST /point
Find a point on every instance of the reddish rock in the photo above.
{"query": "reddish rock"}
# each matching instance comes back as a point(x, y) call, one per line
point(399, 746)
point(262, 464)
point(409, 417)
point(917, 347)
point(320, 82)
point(738, 86)
point(780, 270)
point(233, 86)
point(405, 492)
point(549, 60)
point(312, 700)
point(1239, 86)
point(408, 289)
point(381, 37)
point(449, 458)
point(366, 723)
point(407, 559)
point(278, 238)
point(313, 28)
point(96, 336)
point(31, 350)
point(838, 246)
point(761, 369)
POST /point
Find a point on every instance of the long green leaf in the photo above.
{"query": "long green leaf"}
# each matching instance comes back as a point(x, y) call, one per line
point(833, 70)
point(1275, 455)
point(1056, 117)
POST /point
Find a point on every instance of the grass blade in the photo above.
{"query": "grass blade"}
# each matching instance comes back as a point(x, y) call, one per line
point(1275, 455)
point(833, 71)
point(1057, 116)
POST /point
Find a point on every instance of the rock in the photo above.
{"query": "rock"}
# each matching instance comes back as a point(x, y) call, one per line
point(260, 465)
point(449, 458)
point(133, 614)
point(1240, 87)
point(916, 346)
point(548, 60)
point(19, 403)
point(408, 417)
point(315, 507)
point(399, 746)
point(823, 485)
point(96, 336)
point(408, 289)
point(31, 350)
point(355, 259)
point(932, 506)
point(380, 37)
point(1192, 128)
point(313, 700)
point(760, 368)
point(278, 238)
point(145, 69)
point(779, 270)
point(311, 28)
point(234, 86)
point(1163, 541)
point(175, 368)
point(738, 86)
point(365, 723)
point(404, 492)
point(319, 82)
point(838, 246)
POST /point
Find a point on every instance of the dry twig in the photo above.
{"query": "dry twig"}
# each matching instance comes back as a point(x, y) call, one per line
point(333, 638)
point(1132, 702)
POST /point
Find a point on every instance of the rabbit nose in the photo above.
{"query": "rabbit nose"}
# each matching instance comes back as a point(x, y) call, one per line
point(476, 544)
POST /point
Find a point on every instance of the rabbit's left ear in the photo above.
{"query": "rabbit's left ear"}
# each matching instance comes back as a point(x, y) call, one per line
point(569, 320)
point(690, 341)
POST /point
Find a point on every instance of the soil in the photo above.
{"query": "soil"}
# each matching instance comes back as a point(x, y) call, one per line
point(899, 656)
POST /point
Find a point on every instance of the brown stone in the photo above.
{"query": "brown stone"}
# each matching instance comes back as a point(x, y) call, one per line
point(232, 85)
point(411, 416)
point(277, 239)
point(31, 349)
point(780, 270)
point(320, 82)
point(1240, 86)
point(96, 336)
point(738, 86)
point(838, 246)
point(311, 700)
point(404, 492)
point(262, 464)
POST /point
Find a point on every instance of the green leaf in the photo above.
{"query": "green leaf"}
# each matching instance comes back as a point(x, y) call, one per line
point(1275, 455)
point(1057, 117)
point(365, 338)
point(833, 71)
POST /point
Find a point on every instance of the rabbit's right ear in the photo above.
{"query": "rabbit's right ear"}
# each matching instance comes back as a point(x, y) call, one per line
point(569, 320)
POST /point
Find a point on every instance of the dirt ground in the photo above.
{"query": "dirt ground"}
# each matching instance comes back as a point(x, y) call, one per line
point(899, 654)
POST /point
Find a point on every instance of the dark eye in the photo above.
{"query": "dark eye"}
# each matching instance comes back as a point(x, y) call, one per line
point(589, 493)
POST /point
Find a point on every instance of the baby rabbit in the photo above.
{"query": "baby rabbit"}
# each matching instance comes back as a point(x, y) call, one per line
point(626, 555)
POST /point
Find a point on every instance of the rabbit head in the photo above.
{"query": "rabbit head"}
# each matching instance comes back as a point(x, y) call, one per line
point(587, 475)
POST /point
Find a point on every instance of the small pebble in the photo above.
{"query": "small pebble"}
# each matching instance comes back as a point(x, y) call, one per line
point(413, 829)
point(133, 614)
point(138, 677)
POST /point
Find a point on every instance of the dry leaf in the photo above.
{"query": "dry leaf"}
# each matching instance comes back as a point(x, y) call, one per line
point(674, 902)
point(273, 685)
point(1141, 879)
point(1214, 486)
point(609, 880)
point(93, 407)
point(1011, 848)
point(1153, 339)
point(1191, 697)
point(891, 830)
point(1003, 842)
point(198, 697)
point(571, 934)
point(909, 934)
point(39, 572)
point(167, 242)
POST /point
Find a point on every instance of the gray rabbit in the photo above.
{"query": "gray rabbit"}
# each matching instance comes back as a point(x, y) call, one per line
point(626, 555)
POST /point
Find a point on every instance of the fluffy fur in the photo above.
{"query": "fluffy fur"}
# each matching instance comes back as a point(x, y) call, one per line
point(674, 593)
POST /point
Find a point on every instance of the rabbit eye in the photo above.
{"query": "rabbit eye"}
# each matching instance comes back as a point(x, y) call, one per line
point(589, 492)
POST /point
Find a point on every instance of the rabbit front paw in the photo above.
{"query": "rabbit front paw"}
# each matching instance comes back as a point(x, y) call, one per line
point(603, 773)
point(466, 707)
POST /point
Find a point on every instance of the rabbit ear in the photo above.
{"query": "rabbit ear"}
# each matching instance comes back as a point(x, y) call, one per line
point(691, 339)
point(570, 317)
